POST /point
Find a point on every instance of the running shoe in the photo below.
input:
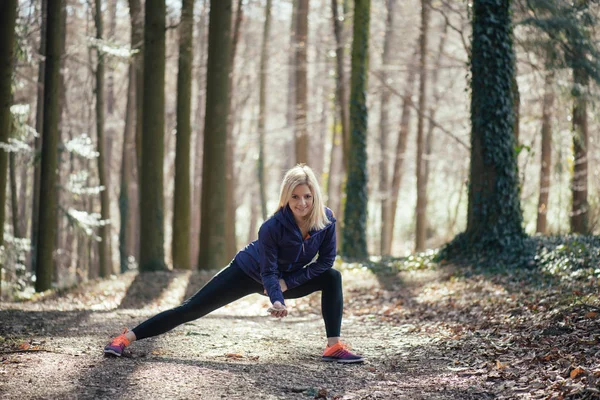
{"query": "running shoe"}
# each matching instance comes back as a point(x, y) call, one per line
point(117, 345)
point(340, 353)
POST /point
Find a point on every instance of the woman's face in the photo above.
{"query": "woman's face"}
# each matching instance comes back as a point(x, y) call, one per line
point(301, 201)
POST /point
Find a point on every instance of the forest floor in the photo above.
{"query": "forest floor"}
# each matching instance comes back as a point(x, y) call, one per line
point(431, 332)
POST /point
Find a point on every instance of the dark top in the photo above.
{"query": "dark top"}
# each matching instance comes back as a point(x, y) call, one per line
point(282, 253)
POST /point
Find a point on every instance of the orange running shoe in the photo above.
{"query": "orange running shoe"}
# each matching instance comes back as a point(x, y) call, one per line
point(117, 345)
point(340, 353)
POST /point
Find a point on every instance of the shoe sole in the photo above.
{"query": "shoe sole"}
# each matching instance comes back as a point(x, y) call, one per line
point(337, 360)
point(111, 353)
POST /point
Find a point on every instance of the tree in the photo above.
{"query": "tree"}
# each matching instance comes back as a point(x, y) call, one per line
point(105, 252)
point(354, 243)
point(151, 183)
point(494, 219)
point(262, 104)
point(182, 200)
point(49, 161)
point(39, 121)
point(384, 189)
point(8, 17)
point(546, 153)
point(301, 37)
point(420, 212)
point(212, 251)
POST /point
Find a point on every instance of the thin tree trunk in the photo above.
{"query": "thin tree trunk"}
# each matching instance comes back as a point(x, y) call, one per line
point(48, 176)
point(262, 104)
point(354, 243)
point(126, 227)
point(401, 146)
point(301, 131)
point(39, 120)
point(290, 115)
point(421, 215)
point(196, 197)
point(231, 206)
point(104, 245)
point(384, 189)
point(182, 200)
point(213, 252)
point(152, 253)
point(14, 201)
point(579, 183)
point(546, 157)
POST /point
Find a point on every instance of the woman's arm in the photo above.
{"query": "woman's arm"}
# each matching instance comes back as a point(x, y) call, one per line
point(269, 271)
point(325, 261)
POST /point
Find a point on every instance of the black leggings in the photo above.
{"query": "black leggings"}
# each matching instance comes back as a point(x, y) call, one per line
point(231, 284)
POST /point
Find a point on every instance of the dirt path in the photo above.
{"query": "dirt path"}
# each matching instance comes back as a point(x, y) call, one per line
point(53, 346)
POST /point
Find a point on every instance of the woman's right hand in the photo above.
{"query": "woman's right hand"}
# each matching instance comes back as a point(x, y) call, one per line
point(278, 310)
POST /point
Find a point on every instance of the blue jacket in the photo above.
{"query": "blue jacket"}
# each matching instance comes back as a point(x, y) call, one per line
point(281, 253)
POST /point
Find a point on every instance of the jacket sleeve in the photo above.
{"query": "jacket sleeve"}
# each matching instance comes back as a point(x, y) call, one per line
point(325, 261)
point(269, 271)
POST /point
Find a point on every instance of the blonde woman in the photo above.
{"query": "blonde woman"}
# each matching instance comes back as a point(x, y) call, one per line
point(278, 264)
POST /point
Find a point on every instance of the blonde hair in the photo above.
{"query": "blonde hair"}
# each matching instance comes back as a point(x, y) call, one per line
point(302, 174)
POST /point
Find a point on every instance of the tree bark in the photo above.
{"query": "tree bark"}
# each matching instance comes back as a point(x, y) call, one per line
point(49, 163)
point(212, 252)
point(198, 156)
point(230, 178)
point(39, 121)
point(354, 243)
point(301, 37)
point(105, 257)
point(384, 189)
point(262, 104)
point(420, 212)
point(546, 157)
point(182, 200)
point(152, 255)
point(579, 183)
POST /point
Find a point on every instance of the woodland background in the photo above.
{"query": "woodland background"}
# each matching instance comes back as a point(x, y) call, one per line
point(290, 97)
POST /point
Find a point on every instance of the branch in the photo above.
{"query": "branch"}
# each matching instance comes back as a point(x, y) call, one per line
point(423, 114)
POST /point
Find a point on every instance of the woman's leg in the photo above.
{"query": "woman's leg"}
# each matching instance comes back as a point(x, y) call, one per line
point(228, 285)
point(332, 299)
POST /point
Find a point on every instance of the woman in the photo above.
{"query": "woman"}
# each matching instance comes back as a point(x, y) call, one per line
point(278, 264)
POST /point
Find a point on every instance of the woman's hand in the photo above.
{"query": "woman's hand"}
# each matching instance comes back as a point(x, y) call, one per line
point(278, 310)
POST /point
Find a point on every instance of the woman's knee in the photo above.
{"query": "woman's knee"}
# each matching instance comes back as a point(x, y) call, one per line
point(334, 277)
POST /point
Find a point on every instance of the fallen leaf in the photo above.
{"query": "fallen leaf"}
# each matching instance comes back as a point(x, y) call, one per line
point(500, 365)
point(321, 394)
point(591, 314)
point(576, 372)
point(24, 346)
point(235, 356)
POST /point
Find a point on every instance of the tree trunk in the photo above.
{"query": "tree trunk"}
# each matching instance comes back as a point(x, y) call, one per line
point(300, 128)
point(126, 227)
point(494, 213)
point(39, 121)
point(579, 183)
point(182, 200)
point(420, 212)
point(290, 115)
point(354, 243)
point(401, 148)
point(546, 157)
point(14, 201)
point(49, 163)
point(230, 203)
point(212, 252)
point(152, 238)
point(104, 245)
point(384, 189)
point(262, 104)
